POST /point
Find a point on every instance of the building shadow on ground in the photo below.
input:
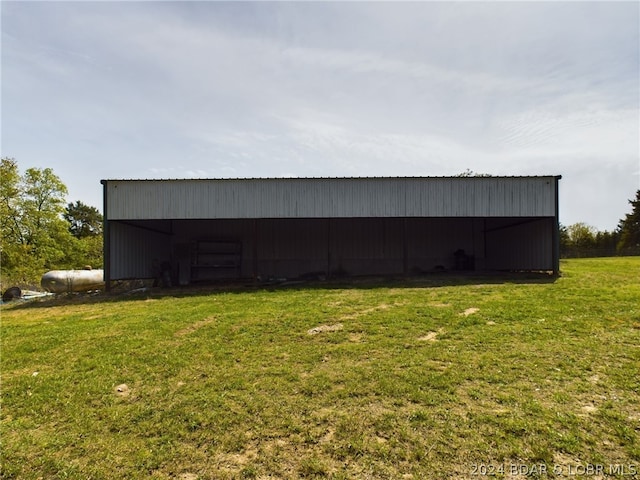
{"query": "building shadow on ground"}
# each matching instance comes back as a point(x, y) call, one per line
point(143, 290)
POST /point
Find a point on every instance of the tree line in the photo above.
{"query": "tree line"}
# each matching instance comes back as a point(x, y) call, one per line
point(582, 240)
point(39, 231)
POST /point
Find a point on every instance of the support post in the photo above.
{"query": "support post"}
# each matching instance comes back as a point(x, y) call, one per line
point(405, 248)
point(255, 249)
point(556, 229)
point(106, 239)
point(328, 248)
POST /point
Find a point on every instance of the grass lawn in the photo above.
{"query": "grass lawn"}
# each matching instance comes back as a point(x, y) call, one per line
point(436, 377)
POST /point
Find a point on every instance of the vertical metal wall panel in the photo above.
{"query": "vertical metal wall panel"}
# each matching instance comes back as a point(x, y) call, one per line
point(331, 198)
point(135, 251)
point(517, 244)
point(432, 242)
point(478, 240)
point(291, 248)
point(366, 246)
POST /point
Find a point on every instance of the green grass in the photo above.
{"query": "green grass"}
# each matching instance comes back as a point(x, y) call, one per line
point(230, 384)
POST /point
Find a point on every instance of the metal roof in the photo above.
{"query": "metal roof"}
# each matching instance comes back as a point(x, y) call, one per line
point(331, 197)
point(225, 179)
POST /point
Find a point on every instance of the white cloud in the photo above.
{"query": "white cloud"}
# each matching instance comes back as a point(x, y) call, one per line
point(223, 89)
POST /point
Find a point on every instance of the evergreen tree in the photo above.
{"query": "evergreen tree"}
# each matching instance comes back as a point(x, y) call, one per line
point(629, 229)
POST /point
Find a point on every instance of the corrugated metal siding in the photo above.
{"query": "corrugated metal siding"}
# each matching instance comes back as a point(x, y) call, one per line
point(366, 246)
point(513, 245)
point(431, 242)
point(331, 198)
point(290, 248)
point(135, 251)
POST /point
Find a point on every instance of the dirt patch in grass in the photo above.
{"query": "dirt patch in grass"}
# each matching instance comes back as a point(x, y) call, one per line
point(589, 408)
point(356, 337)
point(188, 476)
point(325, 328)
point(232, 461)
point(429, 337)
point(470, 311)
point(122, 390)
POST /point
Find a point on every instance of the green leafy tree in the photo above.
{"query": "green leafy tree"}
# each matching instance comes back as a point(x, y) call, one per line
point(629, 229)
point(577, 240)
point(10, 231)
point(581, 235)
point(84, 220)
point(17, 259)
point(34, 234)
point(43, 227)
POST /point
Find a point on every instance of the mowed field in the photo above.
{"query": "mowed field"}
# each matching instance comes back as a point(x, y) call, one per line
point(431, 377)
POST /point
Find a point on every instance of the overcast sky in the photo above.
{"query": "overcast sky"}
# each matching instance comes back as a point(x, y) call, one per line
point(106, 90)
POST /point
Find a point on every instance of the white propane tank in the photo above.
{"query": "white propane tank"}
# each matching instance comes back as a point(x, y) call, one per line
point(66, 281)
